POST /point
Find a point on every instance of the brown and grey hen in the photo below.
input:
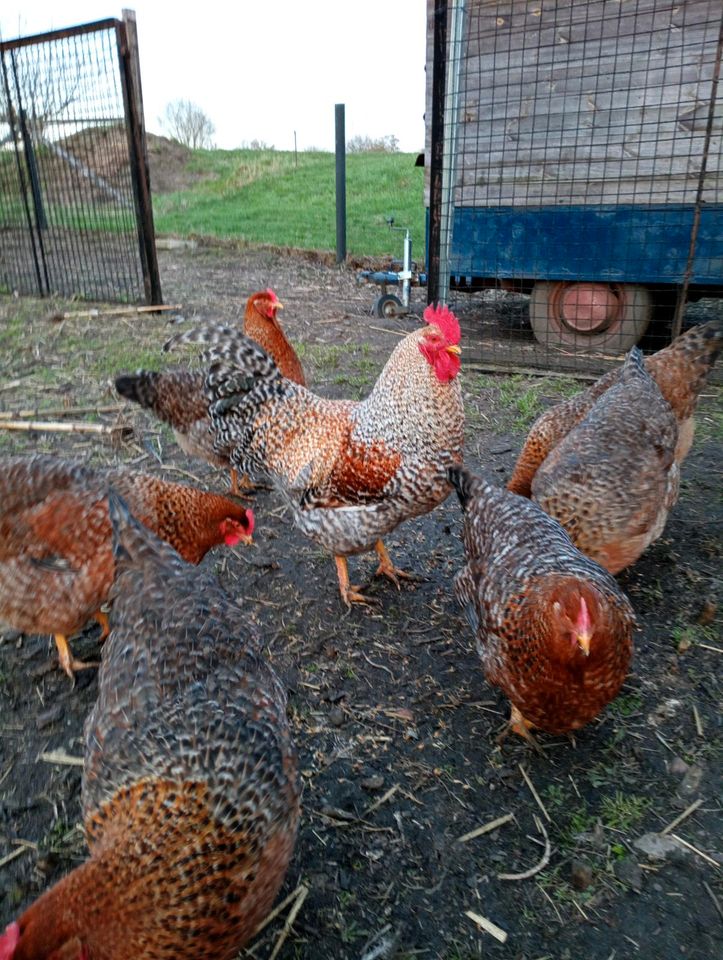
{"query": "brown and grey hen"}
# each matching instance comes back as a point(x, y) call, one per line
point(190, 791)
point(553, 629)
point(613, 478)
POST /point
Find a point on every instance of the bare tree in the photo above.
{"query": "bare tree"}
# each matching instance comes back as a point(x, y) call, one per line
point(188, 124)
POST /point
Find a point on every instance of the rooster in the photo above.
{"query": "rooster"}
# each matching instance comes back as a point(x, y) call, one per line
point(177, 396)
point(613, 479)
point(190, 792)
point(553, 629)
point(680, 371)
point(56, 564)
point(351, 470)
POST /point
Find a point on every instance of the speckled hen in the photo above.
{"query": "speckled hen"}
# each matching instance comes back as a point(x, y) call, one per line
point(177, 397)
point(612, 480)
point(553, 629)
point(352, 471)
point(190, 792)
point(680, 371)
point(56, 563)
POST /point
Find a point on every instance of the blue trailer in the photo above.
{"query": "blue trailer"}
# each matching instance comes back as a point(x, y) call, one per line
point(587, 144)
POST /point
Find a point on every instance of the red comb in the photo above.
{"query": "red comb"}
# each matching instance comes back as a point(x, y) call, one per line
point(442, 316)
point(9, 941)
point(272, 296)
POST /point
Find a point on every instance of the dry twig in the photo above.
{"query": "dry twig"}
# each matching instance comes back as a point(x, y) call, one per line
point(76, 426)
point(61, 757)
point(293, 913)
point(497, 932)
point(534, 793)
point(538, 866)
point(486, 828)
point(682, 816)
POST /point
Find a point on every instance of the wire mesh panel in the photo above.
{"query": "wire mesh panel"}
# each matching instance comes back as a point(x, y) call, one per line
point(588, 172)
point(71, 215)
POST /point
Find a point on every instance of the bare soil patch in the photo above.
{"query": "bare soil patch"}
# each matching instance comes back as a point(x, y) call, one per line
point(394, 722)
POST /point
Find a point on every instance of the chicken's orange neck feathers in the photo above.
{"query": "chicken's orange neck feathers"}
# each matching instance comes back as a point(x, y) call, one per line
point(54, 926)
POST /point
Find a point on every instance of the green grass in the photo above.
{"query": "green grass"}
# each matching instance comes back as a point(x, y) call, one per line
point(264, 196)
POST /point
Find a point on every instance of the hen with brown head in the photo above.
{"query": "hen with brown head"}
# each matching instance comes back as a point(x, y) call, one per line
point(56, 563)
point(190, 790)
point(553, 629)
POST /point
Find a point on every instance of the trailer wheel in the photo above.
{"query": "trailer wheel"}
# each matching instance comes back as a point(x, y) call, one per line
point(589, 317)
point(388, 306)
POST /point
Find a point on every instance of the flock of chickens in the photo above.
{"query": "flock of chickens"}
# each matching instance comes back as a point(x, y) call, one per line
point(190, 789)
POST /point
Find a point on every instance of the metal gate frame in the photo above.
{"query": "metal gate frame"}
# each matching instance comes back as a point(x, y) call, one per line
point(130, 82)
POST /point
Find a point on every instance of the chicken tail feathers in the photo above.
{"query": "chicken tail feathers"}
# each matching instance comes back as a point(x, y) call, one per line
point(463, 482)
point(634, 365)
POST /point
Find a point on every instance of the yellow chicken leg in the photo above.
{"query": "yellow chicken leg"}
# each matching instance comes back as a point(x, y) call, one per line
point(102, 619)
point(239, 485)
point(519, 725)
point(349, 594)
point(387, 569)
point(67, 660)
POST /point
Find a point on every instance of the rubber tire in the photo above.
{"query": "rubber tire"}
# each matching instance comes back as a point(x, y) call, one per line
point(618, 338)
point(388, 306)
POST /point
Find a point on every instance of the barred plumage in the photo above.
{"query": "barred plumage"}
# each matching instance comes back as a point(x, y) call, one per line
point(612, 480)
point(351, 470)
point(190, 789)
point(521, 590)
point(680, 371)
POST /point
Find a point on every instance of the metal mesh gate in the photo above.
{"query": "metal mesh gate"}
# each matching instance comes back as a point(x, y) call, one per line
point(582, 145)
point(75, 215)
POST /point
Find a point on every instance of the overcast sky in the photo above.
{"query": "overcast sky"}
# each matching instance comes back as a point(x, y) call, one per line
point(262, 69)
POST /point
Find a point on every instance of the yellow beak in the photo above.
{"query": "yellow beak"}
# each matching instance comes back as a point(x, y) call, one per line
point(278, 305)
point(453, 348)
point(583, 642)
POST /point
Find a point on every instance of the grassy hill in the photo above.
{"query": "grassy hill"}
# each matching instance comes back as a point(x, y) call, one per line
point(268, 196)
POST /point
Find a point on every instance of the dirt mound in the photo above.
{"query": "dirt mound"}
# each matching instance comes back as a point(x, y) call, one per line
point(100, 154)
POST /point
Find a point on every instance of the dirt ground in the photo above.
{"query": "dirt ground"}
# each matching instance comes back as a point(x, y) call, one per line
point(394, 722)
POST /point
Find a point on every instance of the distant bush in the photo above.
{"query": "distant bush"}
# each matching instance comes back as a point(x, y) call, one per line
point(359, 144)
point(256, 145)
point(186, 123)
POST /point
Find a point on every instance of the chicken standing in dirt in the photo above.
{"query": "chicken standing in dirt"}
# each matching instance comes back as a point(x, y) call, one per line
point(56, 561)
point(352, 470)
point(613, 479)
point(680, 371)
point(553, 629)
point(177, 397)
point(190, 792)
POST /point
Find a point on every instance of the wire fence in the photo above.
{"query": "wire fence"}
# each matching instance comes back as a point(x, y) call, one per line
point(581, 142)
point(75, 213)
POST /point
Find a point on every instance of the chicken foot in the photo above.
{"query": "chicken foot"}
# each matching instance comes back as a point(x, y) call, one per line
point(67, 660)
point(349, 593)
point(519, 725)
point(387, 569)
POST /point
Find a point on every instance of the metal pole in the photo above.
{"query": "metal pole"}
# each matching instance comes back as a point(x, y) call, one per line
point(340, 183)
point(437, 148)
point(449, 162)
